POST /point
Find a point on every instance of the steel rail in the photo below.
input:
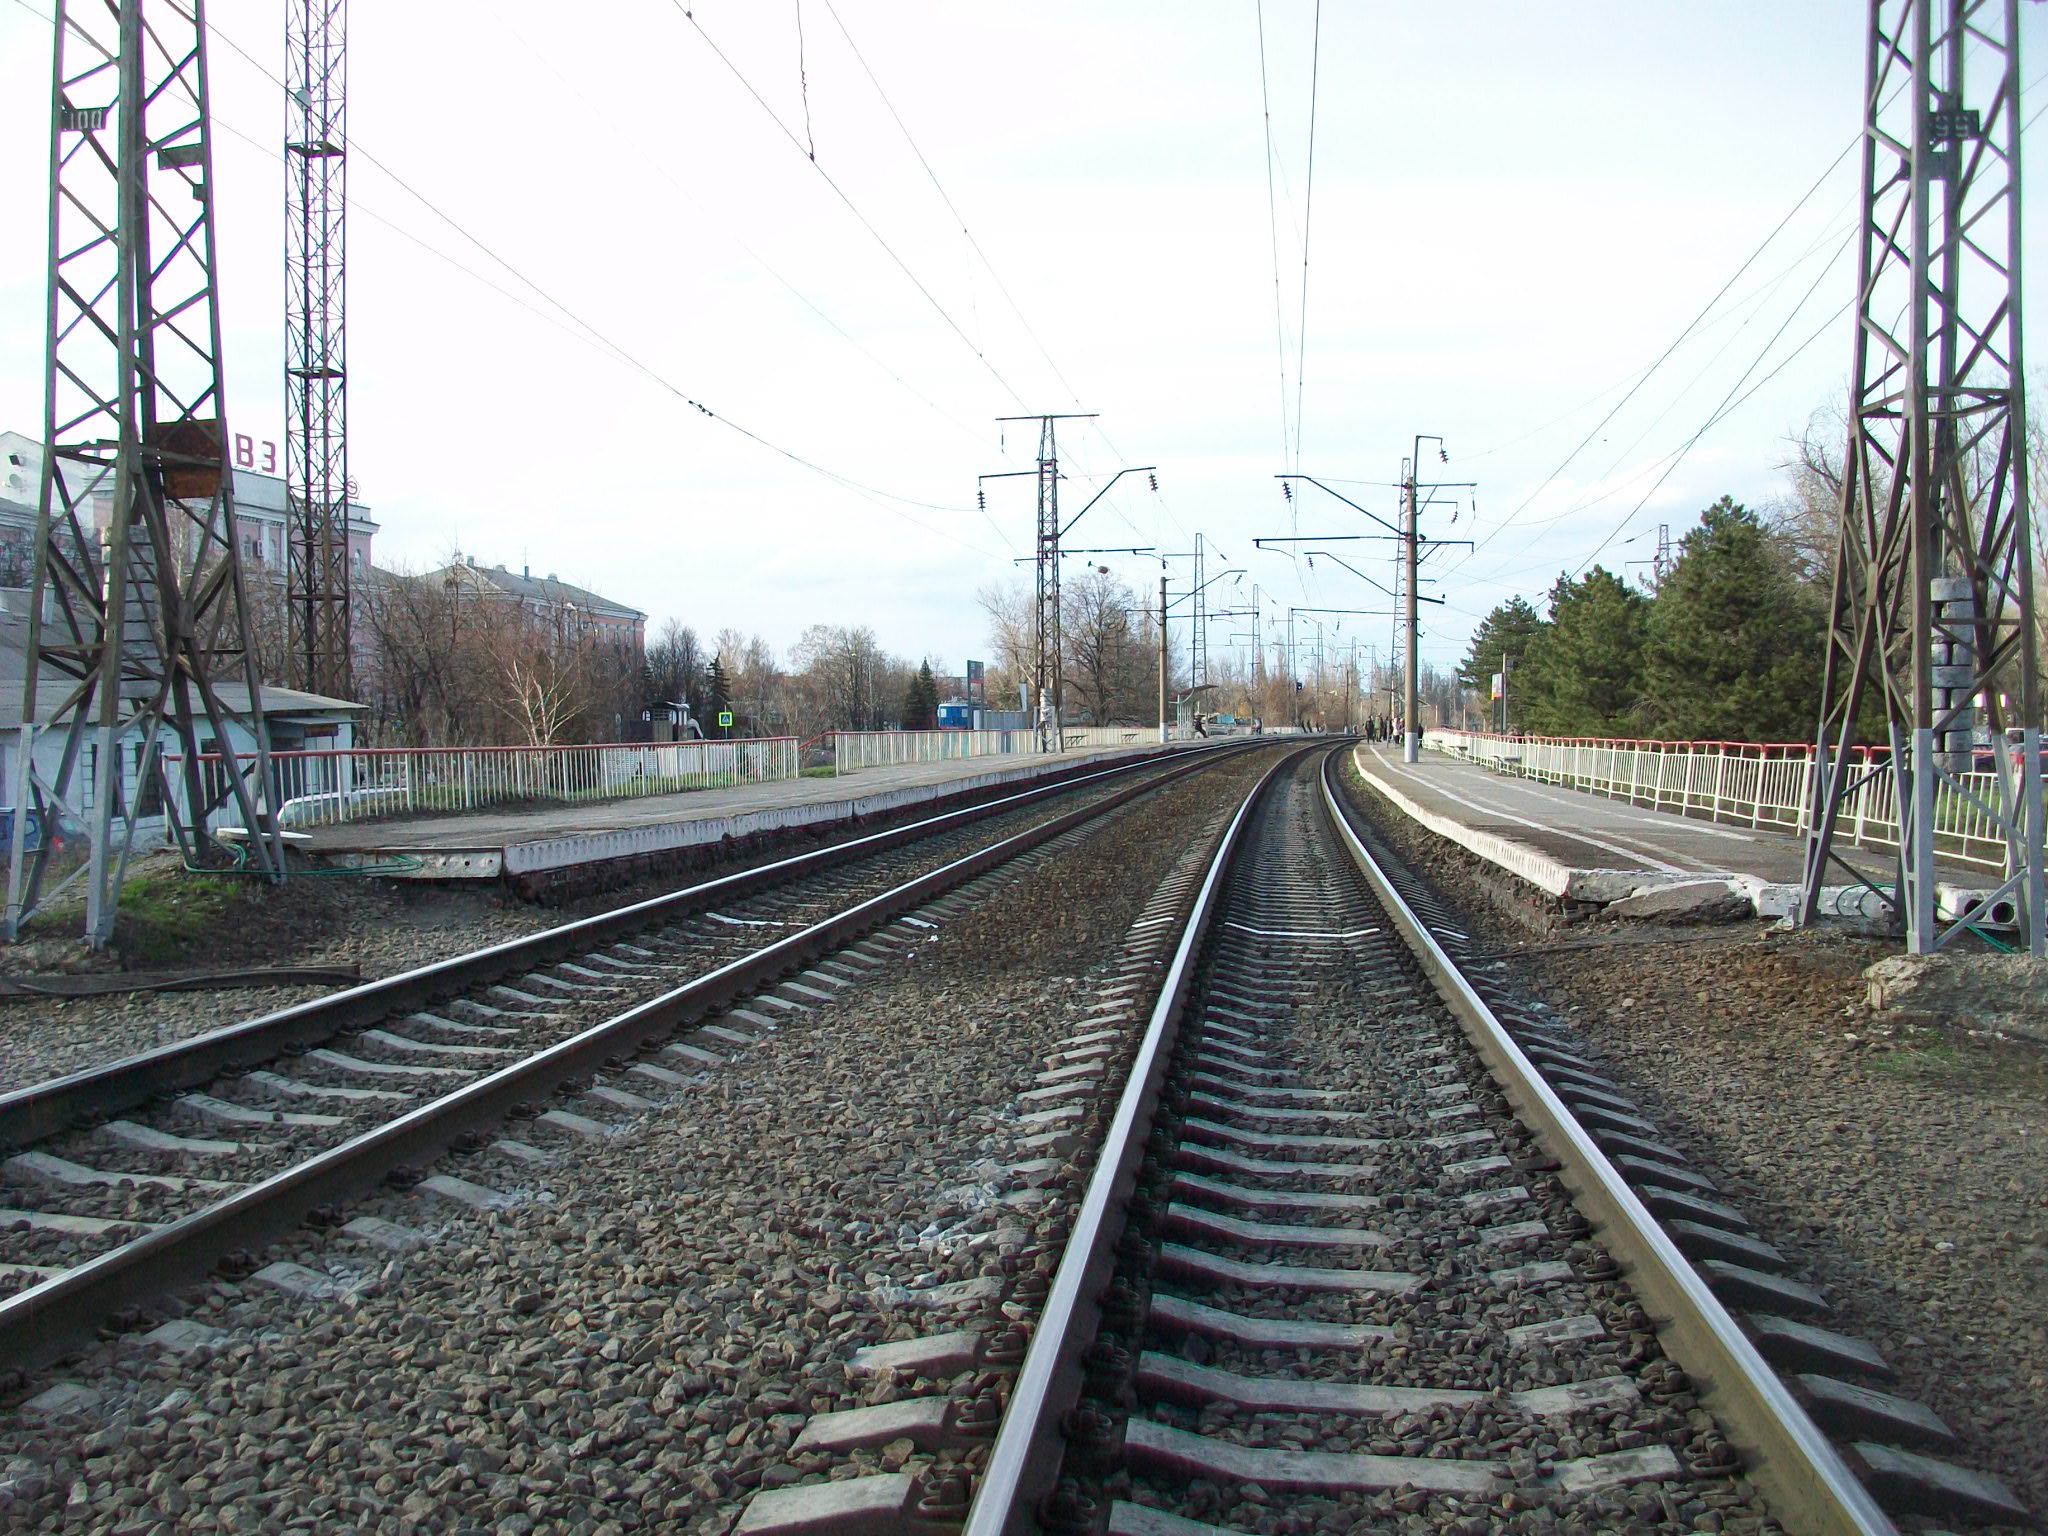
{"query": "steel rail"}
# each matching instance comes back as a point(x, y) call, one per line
point(44, 1321)
point(41, 1110)
point(1023, 1464)
point(1809, 1487)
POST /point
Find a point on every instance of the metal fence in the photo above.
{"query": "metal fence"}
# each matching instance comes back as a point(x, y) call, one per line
point(327, 788)
point(1751, 783)
point(855, 750)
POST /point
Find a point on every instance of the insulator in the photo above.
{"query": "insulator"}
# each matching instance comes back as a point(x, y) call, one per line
point(1287, 489)
point(1155, 484)
point(981, 496)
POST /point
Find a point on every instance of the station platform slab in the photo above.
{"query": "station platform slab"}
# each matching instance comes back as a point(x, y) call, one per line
point(1586, 848)
point(521, 843)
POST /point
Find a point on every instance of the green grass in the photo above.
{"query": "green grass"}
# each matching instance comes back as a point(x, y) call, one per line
point(162, 915)
point(821, 773)
point(1919, 1060)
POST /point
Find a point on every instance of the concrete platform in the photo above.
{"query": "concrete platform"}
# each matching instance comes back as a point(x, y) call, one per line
point(529, 841)
point(1586, 848)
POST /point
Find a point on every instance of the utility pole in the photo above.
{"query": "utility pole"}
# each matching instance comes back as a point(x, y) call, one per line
point(1164, 654)
point(319, 655)
point(1045, 627)
point(1410, 560)
point(1198, 642)
point(1933, 591)
point(1411, 563)
point(137, 556)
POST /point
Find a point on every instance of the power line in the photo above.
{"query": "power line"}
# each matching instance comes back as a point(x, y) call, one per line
point(1273, 227)
point(1777, 283)
point(974, 244)
point(1307, 215)
point(1665, 355)
point(803, 81)
point(605, 345)
point(851, 206)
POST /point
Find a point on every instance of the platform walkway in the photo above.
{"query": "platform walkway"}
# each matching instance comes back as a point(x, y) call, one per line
point(1587, 848)
point(535, 840)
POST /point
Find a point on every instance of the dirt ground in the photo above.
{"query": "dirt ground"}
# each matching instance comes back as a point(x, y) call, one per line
point(1900, 1160)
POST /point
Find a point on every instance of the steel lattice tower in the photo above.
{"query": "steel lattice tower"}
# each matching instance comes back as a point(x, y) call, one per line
point(315, 362)
point(1933, 587)
point(1047, 629)
point(1198, 661)
point(137, 625)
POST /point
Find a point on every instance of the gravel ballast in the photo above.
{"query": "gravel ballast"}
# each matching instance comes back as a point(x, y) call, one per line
point(1898, 1160)
point(636, 1344)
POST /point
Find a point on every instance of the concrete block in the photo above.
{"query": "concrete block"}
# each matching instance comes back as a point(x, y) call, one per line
point(853, 1506)
point(937, 1357)
point(927, 1422)
point(1754, 1288)
point(477, 1197)
point(1801, 1346)
point(183, 1337)
point(1698, 1241)
point(388, 1235)
point(575, 1125)
point(67, 1399)
point(297, 1281)
point(1849, 1410)
point(1692, 901)
point(1938, 1488)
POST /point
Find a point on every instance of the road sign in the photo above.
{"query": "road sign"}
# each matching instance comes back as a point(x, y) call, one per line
point(725, 719)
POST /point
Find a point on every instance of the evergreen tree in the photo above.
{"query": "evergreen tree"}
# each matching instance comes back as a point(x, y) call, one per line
point(1734, 645)
point(921, 700)
point(1510, 629)
point(717, 693)
point(1583, 673)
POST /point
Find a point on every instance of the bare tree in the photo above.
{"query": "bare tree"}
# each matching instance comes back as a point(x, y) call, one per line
point(1011, 636)
point(845, 676)
point(1102, 660)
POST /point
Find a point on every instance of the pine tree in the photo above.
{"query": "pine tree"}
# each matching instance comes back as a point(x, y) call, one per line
point(1734, 646)
point(921, 700)
point(717, 692)
point(1511, 629)
point(1583, 673)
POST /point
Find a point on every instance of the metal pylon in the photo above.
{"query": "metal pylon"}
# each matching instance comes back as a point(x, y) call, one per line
point(315, 363)
point(1051, 695)
point(1933, 587)
point(1198, 660)
point(136, 617)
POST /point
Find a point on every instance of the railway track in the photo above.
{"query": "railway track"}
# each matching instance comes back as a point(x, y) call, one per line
point(1346, 1254)
point(128, 1180)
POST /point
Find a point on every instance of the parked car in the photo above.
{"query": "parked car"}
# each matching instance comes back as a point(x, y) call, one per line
point(1984, 762)
point(63, 830)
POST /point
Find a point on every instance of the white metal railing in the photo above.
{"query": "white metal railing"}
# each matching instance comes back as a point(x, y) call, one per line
point(855, 750)
point(1753, 783)
point(327, 788)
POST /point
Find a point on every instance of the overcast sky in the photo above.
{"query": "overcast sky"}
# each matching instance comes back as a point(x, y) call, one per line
point(1514, 210)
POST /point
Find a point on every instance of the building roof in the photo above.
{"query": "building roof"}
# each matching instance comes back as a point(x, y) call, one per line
point(232, 693)
point(549, 590)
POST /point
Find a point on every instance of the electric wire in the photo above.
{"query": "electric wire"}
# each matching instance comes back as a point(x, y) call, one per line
point(1664, 356)
point(1273, 227)
point(1307, 219)
point(541, 58)
point(973, 244)
point(605, 345)
point(851, 207)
